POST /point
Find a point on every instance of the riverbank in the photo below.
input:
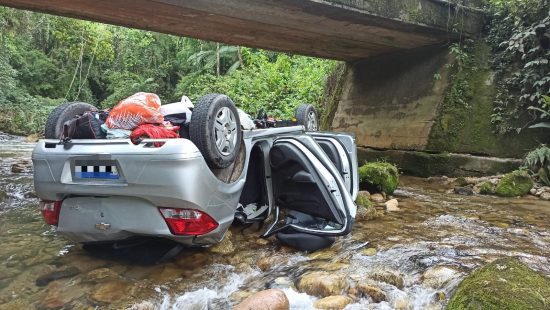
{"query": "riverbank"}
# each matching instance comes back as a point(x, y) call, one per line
point(411, 258)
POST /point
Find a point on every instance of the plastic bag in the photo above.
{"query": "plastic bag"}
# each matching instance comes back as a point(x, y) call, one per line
point(138, 109)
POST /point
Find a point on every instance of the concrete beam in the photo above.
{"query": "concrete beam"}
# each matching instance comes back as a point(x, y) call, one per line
point(335, 29)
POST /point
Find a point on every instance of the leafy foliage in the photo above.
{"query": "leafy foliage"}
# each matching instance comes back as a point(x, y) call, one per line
point(46, 60)
point(538, 161)
point(519, 33)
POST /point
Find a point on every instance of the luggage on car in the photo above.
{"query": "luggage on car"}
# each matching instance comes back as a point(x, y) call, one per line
point(85, 126)
point(138, 109)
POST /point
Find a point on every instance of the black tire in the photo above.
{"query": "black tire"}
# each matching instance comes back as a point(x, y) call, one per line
point(304, 114)
point(203, 132)
point(61, 114)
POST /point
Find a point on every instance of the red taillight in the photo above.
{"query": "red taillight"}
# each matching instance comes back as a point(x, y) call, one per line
point(187, 221)
point(50, 211)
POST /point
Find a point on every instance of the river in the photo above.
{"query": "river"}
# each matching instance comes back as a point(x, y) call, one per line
point(429, 245)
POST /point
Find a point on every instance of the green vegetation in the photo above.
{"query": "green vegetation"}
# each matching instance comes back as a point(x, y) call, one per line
point(538, 161)
point(46, 60)
point(461, 181)
point(486, 188)
point(515, 183)
point(379, 176)
point(363, 201)
point(501, 285)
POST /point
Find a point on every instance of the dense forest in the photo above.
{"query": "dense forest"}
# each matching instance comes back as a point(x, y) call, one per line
point(46, 60)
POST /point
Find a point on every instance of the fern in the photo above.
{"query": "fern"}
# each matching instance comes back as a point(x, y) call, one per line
point(538, 161)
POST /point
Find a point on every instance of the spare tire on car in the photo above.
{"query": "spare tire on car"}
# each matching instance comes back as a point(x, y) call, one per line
point(63, 113)
point(215, 129)
point(306, 115)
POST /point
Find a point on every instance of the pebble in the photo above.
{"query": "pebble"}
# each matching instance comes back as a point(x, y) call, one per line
point(392, 205)
point(464, 190)
point(378, 198)
point(545, 196)
point(337, 302)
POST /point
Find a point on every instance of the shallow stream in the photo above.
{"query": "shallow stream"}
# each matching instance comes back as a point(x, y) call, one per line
point(429, 245)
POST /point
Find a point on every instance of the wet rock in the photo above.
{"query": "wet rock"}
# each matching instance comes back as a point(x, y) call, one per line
point(101, 274)
point(503, 284)
point(373, 292)
point(369, 252)
point(365, 194)
point(533, 191)
point(262, 241)
point(438, 276)
point(18, 168)
point(271, 299)
point(486, 188)
point(363, 200)
point(110, 292)
point(378, 198)
point(322, 283)
point(58, 295)
point(281, 283)
point(545, 196)
point(337, 302)
point(513, 184)
point(367, 213)
point(465, 191)
point(392, 205)
point(225, 246)
point(327, 253)
point(388, 276)
point(144, 305)
point(461, 181)
point(239, 296)
point(56, 275)
point(267, 262)
point(440, 296)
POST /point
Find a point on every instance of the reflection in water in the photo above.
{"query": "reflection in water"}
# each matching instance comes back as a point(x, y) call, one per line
point(422, 253)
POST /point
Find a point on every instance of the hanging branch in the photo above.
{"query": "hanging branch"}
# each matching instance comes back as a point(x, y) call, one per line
point(77, 66)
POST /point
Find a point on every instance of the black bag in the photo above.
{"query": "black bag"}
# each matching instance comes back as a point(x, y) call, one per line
point(85, 126)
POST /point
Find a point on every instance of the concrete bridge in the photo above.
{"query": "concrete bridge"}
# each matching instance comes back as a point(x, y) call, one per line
point(396, 76)
point(335, 29)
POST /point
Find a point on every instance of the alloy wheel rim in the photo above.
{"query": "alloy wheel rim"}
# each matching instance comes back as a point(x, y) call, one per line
point(225, 131)
point(311, 121)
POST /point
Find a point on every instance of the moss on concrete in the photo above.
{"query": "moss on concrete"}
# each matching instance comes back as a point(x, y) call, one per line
point(515, 183)
point(486, 188)
point(464, 121)
point(379, 176)
point(424, 164)
point(501, 285)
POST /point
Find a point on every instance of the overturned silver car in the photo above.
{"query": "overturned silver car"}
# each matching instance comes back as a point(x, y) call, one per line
point(302, 183)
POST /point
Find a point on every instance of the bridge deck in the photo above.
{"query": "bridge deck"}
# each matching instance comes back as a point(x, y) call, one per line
point(336, 29)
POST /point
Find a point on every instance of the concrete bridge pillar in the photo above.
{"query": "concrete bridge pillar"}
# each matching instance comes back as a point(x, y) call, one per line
point(391, 101)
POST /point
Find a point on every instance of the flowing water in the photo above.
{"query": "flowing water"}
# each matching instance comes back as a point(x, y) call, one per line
point(429, 245)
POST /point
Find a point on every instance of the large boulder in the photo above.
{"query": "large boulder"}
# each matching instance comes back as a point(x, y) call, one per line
point(379, 176)
point(503, 284)
point(271, 299)
point(515, 183)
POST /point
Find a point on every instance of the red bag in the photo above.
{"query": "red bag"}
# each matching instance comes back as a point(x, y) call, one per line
point(154, 132)
point(138, 109)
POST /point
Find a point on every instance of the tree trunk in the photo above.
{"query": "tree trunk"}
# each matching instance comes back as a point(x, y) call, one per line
point(217, 59)
point(240, 55)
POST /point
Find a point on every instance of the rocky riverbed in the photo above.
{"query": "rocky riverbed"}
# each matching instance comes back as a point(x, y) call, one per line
point(409, 257)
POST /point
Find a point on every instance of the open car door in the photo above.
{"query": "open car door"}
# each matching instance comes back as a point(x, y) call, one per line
point(342, 151)
point(313, 203)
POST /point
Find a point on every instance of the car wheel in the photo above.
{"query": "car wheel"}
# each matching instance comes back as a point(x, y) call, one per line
point(306, 115)
point(215, 129)
point(63, 113)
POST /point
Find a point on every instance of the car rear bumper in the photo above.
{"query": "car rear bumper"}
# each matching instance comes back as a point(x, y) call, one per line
point(96, 219)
